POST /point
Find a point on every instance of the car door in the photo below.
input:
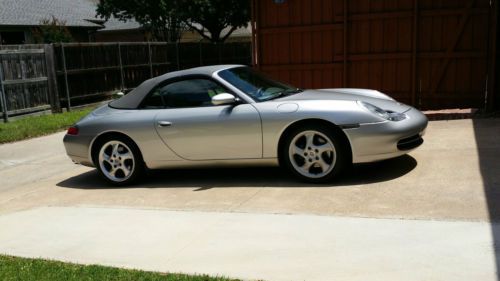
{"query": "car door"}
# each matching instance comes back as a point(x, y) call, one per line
point(195, 129)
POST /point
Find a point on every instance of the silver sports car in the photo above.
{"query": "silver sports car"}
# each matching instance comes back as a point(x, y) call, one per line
point(233, 115)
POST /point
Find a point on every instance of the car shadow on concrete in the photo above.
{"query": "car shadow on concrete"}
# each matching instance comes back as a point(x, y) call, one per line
point(203, 179)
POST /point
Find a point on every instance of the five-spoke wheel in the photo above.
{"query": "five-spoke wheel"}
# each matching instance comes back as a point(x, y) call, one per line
point(118, 160)
point(314, 153)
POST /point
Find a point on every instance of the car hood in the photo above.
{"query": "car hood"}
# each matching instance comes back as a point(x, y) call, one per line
point(370, 96)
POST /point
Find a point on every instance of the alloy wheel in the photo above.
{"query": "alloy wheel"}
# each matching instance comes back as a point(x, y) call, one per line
point(116, 161)
point(312, 154)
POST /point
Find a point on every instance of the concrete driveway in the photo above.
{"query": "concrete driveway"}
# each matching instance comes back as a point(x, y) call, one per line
point(425, 216)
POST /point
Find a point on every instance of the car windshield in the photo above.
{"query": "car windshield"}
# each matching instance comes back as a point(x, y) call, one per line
point(255, 84)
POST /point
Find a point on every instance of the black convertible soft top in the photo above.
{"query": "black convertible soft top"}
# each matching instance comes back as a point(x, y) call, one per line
point(133, 99)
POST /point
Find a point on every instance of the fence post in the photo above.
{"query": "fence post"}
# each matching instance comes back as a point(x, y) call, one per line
point(2, 97)
point(150, 60)
point(167, 63)
point(52, 77)
point(177, 55)
point(22, 65)
point(122, 80)
point(219, 48)
point(201, 59)
point(68, 99)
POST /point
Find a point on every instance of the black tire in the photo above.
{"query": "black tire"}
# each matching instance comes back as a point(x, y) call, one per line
point(137, 167)
point(340, 150)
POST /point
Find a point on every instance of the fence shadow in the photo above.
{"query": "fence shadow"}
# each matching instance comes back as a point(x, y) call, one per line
point(487, 134)
point(270, 177)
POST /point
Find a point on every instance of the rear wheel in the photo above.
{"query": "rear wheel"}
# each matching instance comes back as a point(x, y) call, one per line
point(119, 161)
point(314, 153)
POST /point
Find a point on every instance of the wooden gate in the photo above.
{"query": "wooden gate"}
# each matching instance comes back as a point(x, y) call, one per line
point(24, 80)
point(432, 54)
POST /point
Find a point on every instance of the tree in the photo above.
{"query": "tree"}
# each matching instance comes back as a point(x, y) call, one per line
point(52, 31)
point(158, 16)
point(166, 18)
point(213, 16)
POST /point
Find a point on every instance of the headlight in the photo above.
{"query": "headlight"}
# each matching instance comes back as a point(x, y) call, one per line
point(375, 110)
point(387, 115)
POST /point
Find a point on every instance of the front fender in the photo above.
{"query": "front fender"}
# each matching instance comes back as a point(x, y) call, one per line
point(275, 122)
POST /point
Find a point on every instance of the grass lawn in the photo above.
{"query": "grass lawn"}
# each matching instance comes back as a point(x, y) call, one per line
point(35, 126)
point(13, 268)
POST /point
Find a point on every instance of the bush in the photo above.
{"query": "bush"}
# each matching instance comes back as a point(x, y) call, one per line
point(52, 31)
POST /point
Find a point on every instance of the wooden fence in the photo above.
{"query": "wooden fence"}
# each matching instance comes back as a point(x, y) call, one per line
point(41, 77)
point(427, 53)
point(86, 70)
point(26, 83)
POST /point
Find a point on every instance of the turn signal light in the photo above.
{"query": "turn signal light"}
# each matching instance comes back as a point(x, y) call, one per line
point(72, 131)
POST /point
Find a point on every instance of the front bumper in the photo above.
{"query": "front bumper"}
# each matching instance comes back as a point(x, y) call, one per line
point(389, 139)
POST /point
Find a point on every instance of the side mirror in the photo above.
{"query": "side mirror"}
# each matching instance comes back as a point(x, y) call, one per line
point(118, 95)
point(224, 98)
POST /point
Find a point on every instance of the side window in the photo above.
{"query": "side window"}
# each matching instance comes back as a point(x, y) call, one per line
point(154, 100)
point(185, 93)
point(190, 93)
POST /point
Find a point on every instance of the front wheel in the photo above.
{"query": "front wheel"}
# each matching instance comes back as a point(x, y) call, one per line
point(119, 161)
point(314, 153)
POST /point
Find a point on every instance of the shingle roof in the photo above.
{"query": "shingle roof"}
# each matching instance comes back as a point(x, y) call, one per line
point(239, 32)
point(31, 12)
point(116, 24)
point(76, 13)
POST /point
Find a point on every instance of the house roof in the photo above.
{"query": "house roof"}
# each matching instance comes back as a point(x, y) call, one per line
point(113, 24)
point(76, 13)
point(239, 32)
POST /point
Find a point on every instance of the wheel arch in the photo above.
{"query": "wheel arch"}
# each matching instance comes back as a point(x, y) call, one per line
point(314, 121)
point(108, 134)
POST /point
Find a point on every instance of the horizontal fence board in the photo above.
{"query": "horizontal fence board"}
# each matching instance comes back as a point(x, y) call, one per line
point(25, 81)
point(22, 52)
point(29, 110)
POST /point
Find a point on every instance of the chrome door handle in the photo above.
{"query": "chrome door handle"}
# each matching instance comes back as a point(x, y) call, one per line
point(164, 124)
